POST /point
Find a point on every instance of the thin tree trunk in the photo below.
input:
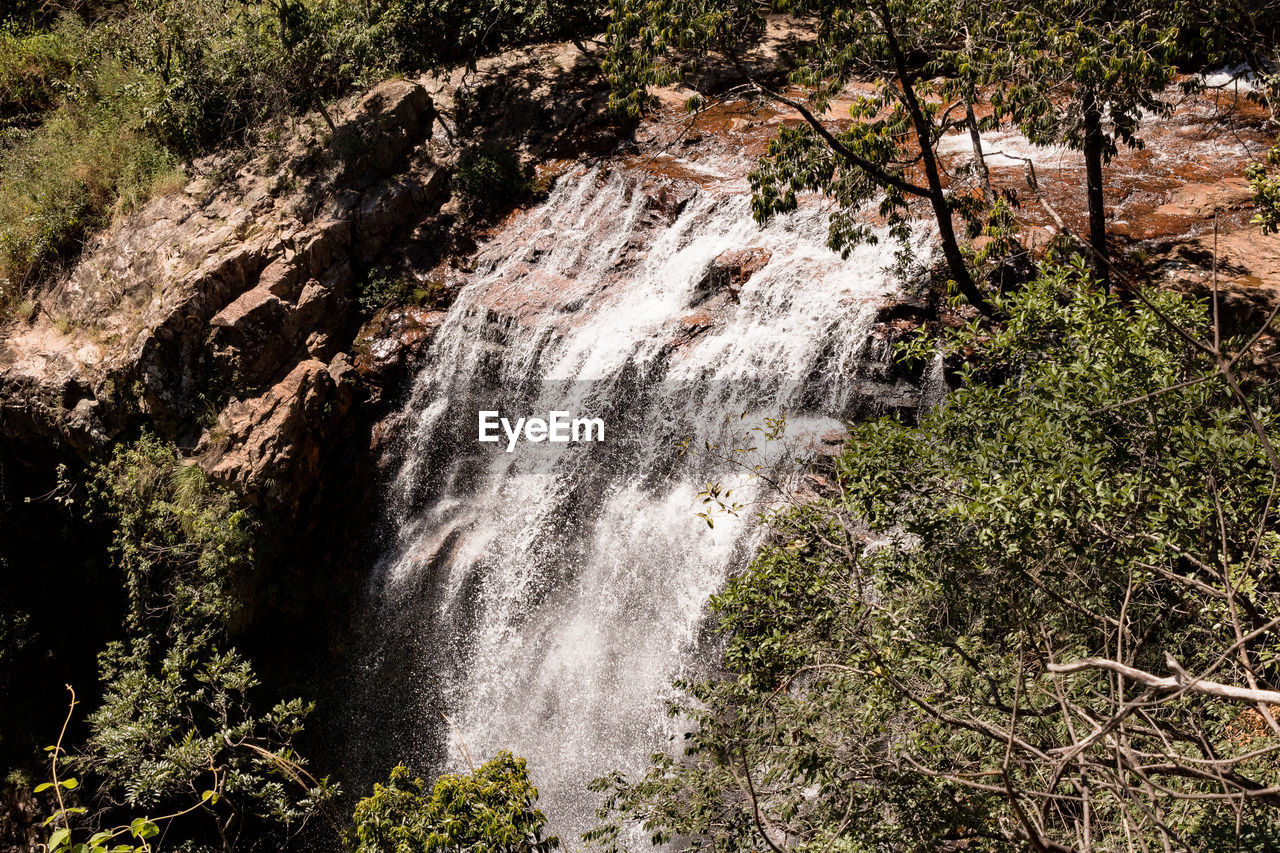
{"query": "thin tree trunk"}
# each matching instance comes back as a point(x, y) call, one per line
point(1093, 150)
point(941, 209)
point(937, 195)
point(979, 160)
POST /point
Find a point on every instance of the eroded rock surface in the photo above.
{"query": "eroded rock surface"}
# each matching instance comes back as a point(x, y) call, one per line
point(272, 445)
point(228, 299)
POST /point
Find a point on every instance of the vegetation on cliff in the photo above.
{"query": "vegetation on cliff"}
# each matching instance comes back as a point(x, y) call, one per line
point(1044, 618)
point(180, 713)
point(101, 103)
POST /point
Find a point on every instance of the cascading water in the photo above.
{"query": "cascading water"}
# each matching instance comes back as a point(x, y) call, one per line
point(545, 598)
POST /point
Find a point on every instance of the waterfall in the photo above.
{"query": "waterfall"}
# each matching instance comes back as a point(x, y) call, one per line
point(546, 598)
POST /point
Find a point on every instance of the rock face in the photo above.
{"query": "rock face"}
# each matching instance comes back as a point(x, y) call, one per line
point(237, 298)
point(729, 271)
point(274, 443)
point(391, 343)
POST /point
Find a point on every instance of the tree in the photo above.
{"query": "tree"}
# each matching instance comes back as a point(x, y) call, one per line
point(891, 146)
point(1084, 73)
point(490, 810)
point(178, 714)
point(1265, 183)
point(1046, 618)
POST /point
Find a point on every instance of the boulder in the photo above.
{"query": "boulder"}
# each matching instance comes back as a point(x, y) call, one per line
point(387, 124)
point(273, 445)
point(728, 272)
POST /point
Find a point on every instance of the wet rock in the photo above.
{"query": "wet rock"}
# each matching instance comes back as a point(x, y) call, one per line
point(1201, 200)
point(899, 318)
point(667, 198)
point(729, 271)
point(693, 326)
point(392, 343)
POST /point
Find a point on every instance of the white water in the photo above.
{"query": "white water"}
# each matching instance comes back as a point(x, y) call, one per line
point(553, 596)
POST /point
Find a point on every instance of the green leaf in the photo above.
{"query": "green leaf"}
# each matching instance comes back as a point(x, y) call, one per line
point(143, 828)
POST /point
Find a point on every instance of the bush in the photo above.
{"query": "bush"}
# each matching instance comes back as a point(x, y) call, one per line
point(490, 180)
point(179, 714)
point(491, 810)
point(1265, 183)
point(380, 289)
point(88, 160)
point(34, 70)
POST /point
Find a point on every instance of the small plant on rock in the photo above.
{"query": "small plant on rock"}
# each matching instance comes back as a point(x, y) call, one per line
point(490, 180)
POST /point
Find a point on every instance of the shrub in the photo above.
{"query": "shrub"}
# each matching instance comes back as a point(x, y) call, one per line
point(34, 70)
point(488, 180)
point(179, 714)
point(381, 289)
point(1265, 183)
point(491, 810)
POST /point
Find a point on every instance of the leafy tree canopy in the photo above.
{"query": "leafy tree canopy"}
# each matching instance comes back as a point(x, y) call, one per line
point(1017, 625)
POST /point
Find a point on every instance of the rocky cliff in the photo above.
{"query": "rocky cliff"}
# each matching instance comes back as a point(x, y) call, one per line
point(219, 314)
point(225, 315)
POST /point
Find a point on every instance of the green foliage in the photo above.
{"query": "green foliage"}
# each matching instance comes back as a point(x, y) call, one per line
point(178, 714)
point(921, 69)
point(179, 540)
point(34, 67)
point(380, 289)
point(488, 180)
point(1078, 72)
point(67, 176)
point(136, 836)
point(1244, 37)
point(491, 810)
point(1264, 180)
point(217, 75)
point(1115, 60)
point(889, 678)
point(425, 33)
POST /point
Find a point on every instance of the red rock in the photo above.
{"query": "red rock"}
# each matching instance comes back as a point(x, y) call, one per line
point(274, 442)
point(730, 270)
